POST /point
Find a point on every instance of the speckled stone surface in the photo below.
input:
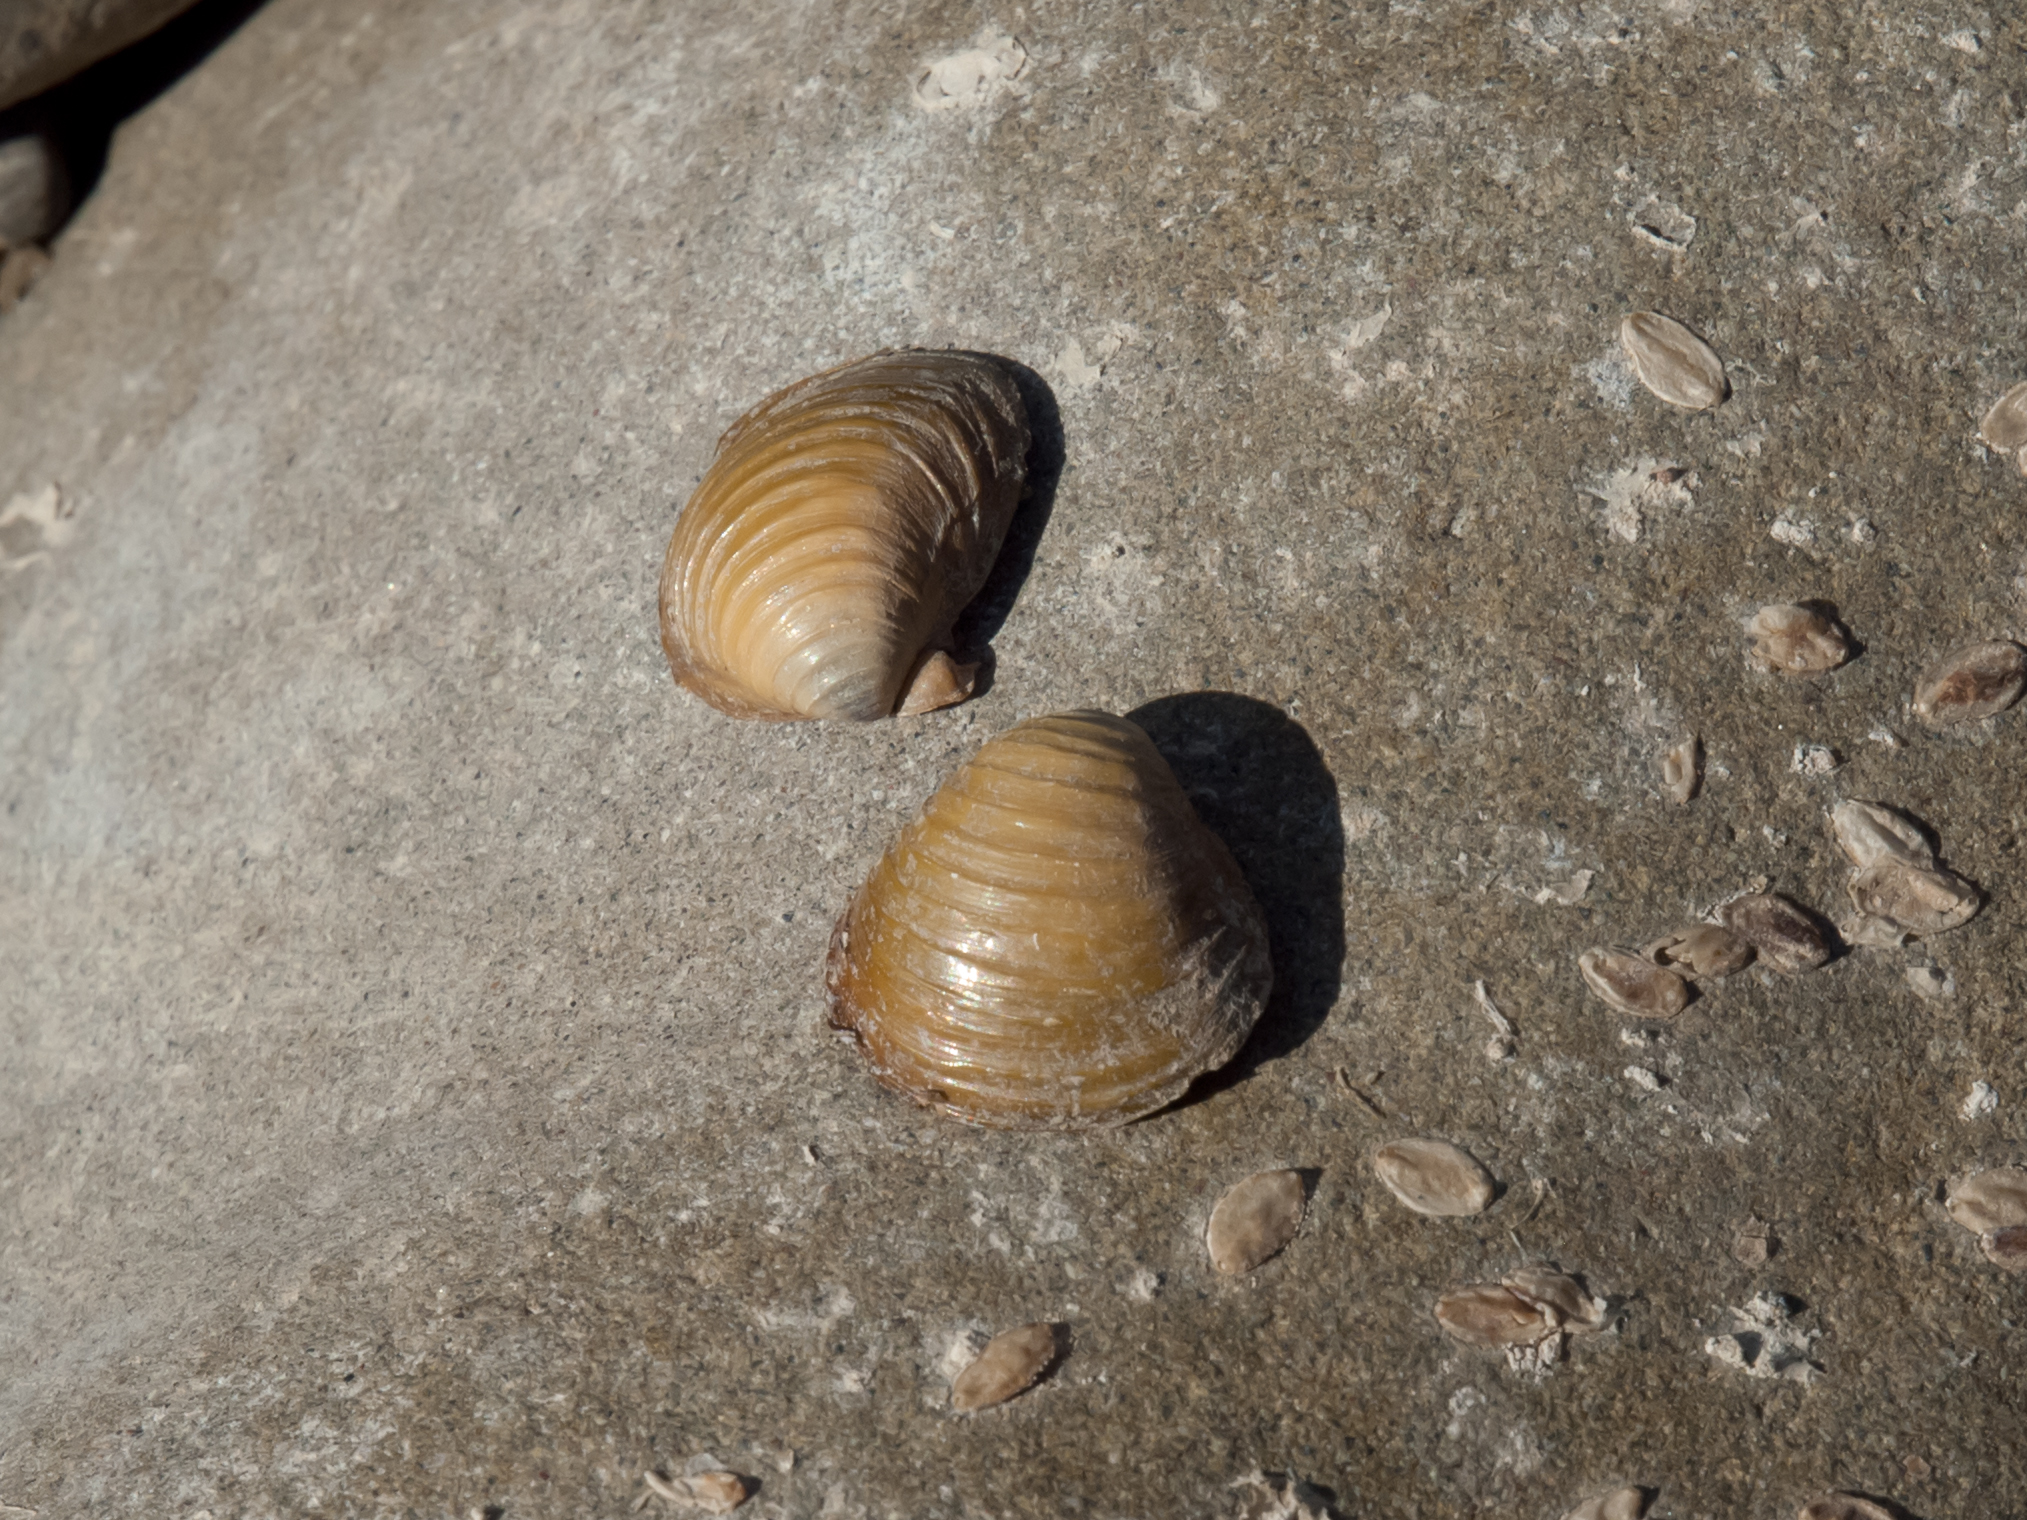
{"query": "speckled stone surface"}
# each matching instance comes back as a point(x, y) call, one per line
point(414, 1096)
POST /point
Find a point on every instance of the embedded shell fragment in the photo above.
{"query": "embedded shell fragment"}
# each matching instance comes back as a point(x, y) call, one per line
point(1524, 1309)
point(1009, 1364)
point(1701, 950)
point(1993, 1199)
point(1973, 682)
point(1254, 1220)
point(843, 525)
point(1057, 942)
point(1672, 361)
point(1619, 1504)
point(1434, 1177)
point(1785, 935)
point(1837, 1506)
point(2005, 425)
point(1633, 986)
point(1793, 640)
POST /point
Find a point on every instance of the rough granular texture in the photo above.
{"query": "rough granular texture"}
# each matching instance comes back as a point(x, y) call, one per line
point(414, 1089)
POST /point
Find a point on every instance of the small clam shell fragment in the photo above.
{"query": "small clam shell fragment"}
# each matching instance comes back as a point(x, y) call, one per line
point(1254, 1220)
point(1434, 1177)
point(713, 1491)
point(1868, 832)
point(1633, 986)
point(1619, 1504)
point(2007, 1248)
point(1791, 640)
point(1701, 950)
point(1672, 361)
point(1056, 942)
point(1010, 1363)
point(1845, 1507)
point(1994, 1199)
point(1976, 681)
point(1682, 769)
point(845, 522)
point(1575, 1309)
point(1786, 935)
point(1493, 1316)
point(1523, 1309)
point(1920, 900)
point(2005, 425)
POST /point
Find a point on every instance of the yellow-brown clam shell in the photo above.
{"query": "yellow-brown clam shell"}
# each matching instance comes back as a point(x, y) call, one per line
point(1057, 942)
point(842, 526)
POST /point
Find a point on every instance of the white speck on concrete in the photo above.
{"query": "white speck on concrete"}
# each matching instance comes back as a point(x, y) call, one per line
point(1931, 982)
point(1813, 760)
point(1568, 893)
point(1980, 1103)
point(1646, 485)
point(1764, 1342)
point(971, 78)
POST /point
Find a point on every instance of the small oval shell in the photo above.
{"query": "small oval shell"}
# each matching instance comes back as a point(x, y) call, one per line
point(1974, 682)
point(1057, 942)
point(1920, 900)
point(1254, 1220)
point(1619, 1504)
point(1434, 1177)
point(1994, 1199)
point(1844, 1507)
point(2005, 425)
point(1009, 1364)
point(1672, 361)
point(1792, 640)
point(1494, 1316)
point(1682, 771)
point(1633, 986)
point(2007, 1248)
point(1868, 832)
point(1701, 950)
point(1786, 935)
point(844, 524)
point(1570, 1302)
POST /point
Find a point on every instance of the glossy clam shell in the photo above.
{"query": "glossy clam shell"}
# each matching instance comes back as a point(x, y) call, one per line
point(1057, 942)
point(841, 528)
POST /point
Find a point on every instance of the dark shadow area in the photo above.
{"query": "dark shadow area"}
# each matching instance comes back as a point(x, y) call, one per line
point(82, 113)
point(1259, 783)
point(982, 618)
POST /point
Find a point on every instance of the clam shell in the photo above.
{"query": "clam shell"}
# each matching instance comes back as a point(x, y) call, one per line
point(1633, 986)
point(1793, 640)
point(1786, 936)
point(1494, 1316)
point(843, 525)
point(1673, 362)
point(1057, 942)
point(1434, 1177)
point(1701, 950)
point(1009, 1364)
point(1254, 1220)
point(1993, 1199)
point(1619, 1504)
point(1974, 682)
point(2007, 1248)
point(1839, 1506)
point(2005, 425)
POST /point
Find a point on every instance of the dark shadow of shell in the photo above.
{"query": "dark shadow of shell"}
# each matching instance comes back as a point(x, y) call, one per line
point(1257, 780)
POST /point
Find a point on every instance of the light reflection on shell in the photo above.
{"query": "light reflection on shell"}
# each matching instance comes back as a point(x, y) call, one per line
point(1057, 942)
point(843, 525)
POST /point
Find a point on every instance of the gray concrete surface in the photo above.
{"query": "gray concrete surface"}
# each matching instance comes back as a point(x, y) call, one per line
point(414, 1097)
